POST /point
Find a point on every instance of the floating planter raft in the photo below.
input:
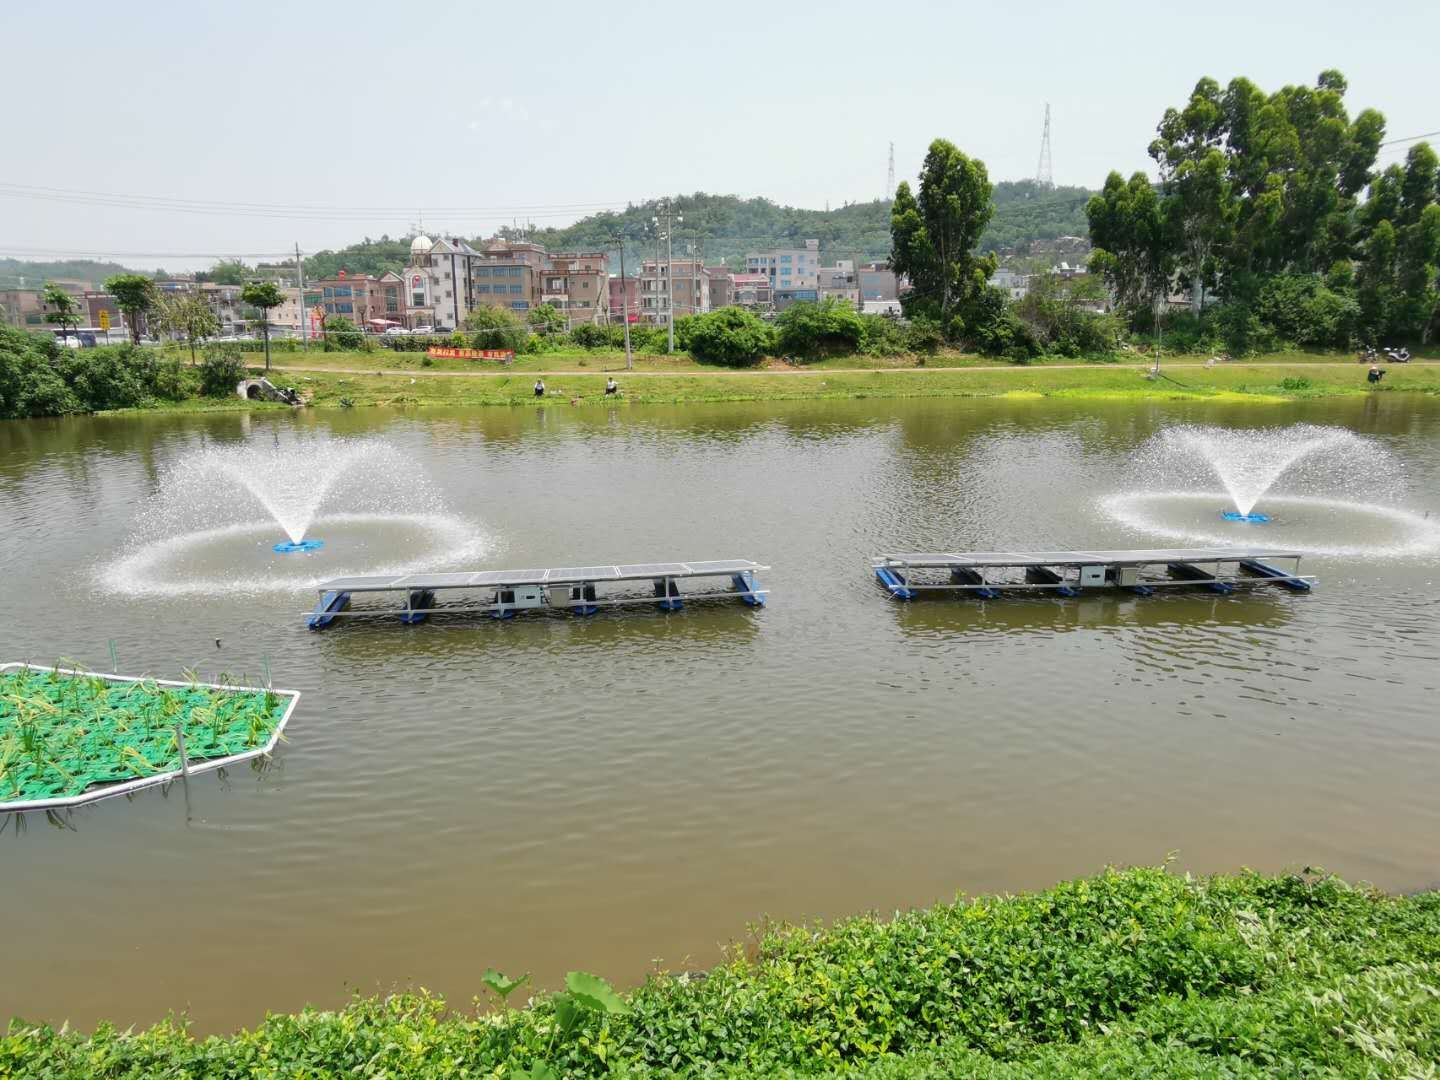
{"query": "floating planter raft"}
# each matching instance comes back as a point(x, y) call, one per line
point(581, 590)
point(987, 573)
point(69, 737)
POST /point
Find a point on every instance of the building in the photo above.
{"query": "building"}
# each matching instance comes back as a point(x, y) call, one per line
point(507, 274)
point(27, 309)
point(361, 298)
point(788, 268)
point(624, 298)
point(752, 291)
point(878, 282)
point(839, 282)
point(687, 280)
point(289, 313)
point(577, 285)
point(722, 287)
point(1015, 285)
point(784, 298)
point(97, 302)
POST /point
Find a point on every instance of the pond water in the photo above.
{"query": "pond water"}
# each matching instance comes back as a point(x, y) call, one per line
point(613, 793)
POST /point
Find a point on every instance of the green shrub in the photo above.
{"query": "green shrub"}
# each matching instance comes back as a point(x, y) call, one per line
point(883, 336)
point(342, 334)
point(731, 336)
point(1134, 972)
point(924, 335)
point(497, 328)
point(819, 329)
point(221, 370)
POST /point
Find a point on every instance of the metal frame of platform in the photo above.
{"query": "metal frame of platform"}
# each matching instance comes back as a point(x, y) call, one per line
point(988, 573)
point(567, 588)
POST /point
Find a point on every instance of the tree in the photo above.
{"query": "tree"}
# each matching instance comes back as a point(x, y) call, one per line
point(342, 333)
point(263, 295)
point(496, 328)
point(808, 329)
point(934, 235)
point(64, 310)
point(190, 316)
point(731, 336)
point(1133, 249)
point(135, 296)
point(546, 319)
point(227, 272)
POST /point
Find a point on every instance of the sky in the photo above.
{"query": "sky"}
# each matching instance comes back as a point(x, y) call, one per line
point(194, 131)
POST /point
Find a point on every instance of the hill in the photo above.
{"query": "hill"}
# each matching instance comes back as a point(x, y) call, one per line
point(726, 227)
point(35, 274)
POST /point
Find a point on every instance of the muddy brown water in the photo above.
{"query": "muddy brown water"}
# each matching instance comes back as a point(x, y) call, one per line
point(614, 793)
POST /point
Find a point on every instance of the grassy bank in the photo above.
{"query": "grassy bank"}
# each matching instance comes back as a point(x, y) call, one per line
point(1253, 382)
point(1136, 972)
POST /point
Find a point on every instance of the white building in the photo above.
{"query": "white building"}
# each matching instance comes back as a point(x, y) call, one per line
point(1015, 285)
point(788, 268)
point(439, 284)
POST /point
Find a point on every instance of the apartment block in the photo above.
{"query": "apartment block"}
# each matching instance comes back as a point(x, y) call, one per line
point(751, 291)
point(722, 287)
point(878, 282)
point(361, 298)
point(687, 280)
point(577, 284)
point(788, 268)
point(624, 298)
point(839, 282)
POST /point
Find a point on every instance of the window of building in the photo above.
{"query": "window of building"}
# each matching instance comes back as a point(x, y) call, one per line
point(448, 294)
point(517, 271)
point(517, 289)
point(392, 305)
point(484, 290)
point(417, 298)
point(784, 258)
point(329, 292)
point(520, 305)
point(482, 271)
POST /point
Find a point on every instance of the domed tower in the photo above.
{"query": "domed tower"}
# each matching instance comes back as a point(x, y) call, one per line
point(419, 247)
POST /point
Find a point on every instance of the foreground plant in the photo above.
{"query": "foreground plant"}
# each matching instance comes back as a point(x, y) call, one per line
point(1135, 972)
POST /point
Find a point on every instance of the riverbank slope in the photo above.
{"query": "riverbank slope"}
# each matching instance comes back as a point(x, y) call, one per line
point(1130, 972)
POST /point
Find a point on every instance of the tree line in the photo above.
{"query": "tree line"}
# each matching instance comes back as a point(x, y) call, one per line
point(1271, 217)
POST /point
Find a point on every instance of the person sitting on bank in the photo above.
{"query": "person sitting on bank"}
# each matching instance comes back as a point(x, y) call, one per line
point(611, 387)
point(539, 387)
point(1375, 374)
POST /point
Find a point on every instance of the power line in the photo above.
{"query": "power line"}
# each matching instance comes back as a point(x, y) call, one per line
point(1411, 138)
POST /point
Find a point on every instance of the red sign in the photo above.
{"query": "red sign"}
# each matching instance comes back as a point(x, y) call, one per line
point(506, 355)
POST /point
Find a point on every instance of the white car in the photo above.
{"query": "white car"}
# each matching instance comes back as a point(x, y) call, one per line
point(423, 330)
point(396, 331)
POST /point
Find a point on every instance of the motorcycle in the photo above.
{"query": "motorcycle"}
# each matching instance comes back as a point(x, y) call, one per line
point(1397, 356)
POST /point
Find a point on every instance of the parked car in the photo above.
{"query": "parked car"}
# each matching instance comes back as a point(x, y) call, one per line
point(395, 331)
point(423, 330)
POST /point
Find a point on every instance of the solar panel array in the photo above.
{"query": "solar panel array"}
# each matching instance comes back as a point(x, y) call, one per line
point(941, 559)
point(564, 575)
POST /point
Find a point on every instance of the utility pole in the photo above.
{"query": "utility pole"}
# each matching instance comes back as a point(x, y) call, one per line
point(890, 176)
point(624, 303)
point(1045, 172)
point(300, 284)
point(670, 219)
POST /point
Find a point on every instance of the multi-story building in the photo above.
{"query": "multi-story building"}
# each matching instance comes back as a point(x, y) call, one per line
point(788, 268)
point(1015, 285)
point(361, 298)
point(878, 282)
point(289, 313)
point(507, 274)
point(722, 287)
point(751, 291)
point(27, 309)
point(577, 284)
point(97, 302)
point(624, 298)
point(686, 280)
point(839, 282)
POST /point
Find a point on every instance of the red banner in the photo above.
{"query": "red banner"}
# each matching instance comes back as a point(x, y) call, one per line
point(505, 355)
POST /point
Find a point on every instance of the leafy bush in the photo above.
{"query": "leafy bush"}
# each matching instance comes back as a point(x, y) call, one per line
point(1126, 973)
point(1300, 309)
point(730, 336)
point(341, 333)
point(30, 381)
point(593, 336)
point(820, 329)
point(221, 370)
point(883, 336)
point(924, 335)
point(497, 328)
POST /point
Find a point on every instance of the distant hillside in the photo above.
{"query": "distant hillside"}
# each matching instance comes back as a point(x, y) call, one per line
point(36, 274)
point(728, 227)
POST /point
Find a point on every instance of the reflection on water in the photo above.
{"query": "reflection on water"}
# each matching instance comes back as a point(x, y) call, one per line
point(549, 792)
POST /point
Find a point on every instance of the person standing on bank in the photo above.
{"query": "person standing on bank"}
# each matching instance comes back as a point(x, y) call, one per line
point(611, 387)
point(539, 387)
point(1374, 375)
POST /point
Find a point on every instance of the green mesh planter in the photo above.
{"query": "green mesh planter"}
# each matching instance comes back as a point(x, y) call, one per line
point(69, 737)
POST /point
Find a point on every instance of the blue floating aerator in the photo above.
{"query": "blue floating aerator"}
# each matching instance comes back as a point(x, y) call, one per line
point(1249, 519)
point(287, 546)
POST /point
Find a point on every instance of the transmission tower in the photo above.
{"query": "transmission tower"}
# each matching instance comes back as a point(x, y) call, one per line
point(1045, 172)
point(890, 176)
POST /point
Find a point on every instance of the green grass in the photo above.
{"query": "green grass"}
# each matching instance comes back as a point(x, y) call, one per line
point(1103, 381)
point(1130, 973)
